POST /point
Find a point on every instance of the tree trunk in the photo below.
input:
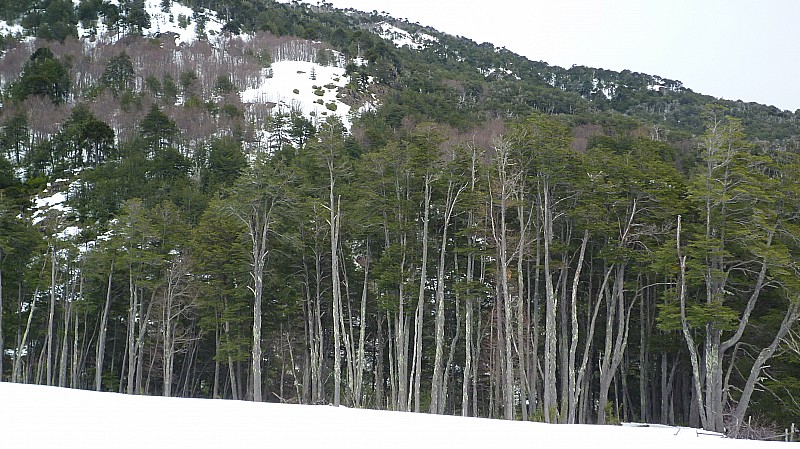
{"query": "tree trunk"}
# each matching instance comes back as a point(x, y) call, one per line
point(551, 304)
point(437, 390)
point(51, 316)
point(259, 224)
point(63, 362)
point(613, 355)
point(337, 292)
point(573, 347)
point(16, 374)
point(698, 392)
point(101, 338)
point(789, 320)
point(522, 302)
point(133, 311)
point(361, 357)
point(419, 313)
point(467, 378)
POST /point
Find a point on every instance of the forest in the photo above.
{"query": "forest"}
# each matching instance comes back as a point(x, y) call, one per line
point(531, 243)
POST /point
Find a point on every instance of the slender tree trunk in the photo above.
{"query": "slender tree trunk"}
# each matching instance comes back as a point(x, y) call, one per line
point(231, 366)
point(16, 374)
point(522, 302)
point(380, 402)
point(584, 370)
point(51, 316)
point(437, 390)
point(450, 356)
point(336, 288)
point(573, 347)
point(63, 362)
point(259, 225)
point(101, 338)
point(551, 304)
point(690, 345)
point(610, 363)
point(467, 378)
point(133, 312)
point(75, 347)
point(401, 338)
point(215, 391)
point(362, 333)
point(789, 320)
point(468, 319)
point(506, 188)
point(419, 314)
point(347, 334)
point(256, 352)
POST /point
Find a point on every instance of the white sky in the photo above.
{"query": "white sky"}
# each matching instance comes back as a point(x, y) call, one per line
point(734, 49)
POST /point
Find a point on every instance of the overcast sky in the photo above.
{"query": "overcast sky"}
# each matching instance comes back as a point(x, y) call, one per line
point(734, 49)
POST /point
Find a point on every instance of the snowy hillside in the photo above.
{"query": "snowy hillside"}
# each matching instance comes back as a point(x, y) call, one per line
point(72, 418)
point(292, 84)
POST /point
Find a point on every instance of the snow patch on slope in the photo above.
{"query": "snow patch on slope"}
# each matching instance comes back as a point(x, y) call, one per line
point(305, 87)
point(170, 21)
point(403, 38)
point(11, 29)
point(51, 209)
point(179, 20)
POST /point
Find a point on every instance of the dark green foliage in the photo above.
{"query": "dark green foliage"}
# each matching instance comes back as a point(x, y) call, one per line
point(89, 11)
point(15, 136)
point(134, 16)
point(84, 140)
point(158, 130)
point(42, 75)
point(119, 73)
point(225, 163)
point(224, 85)
point(7, 178)
point(51, 20)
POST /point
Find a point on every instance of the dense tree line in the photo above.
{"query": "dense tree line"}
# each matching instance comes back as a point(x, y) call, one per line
point(483, 244)
point(515, 279)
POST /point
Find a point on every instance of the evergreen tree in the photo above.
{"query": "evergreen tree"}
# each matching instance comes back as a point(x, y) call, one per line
point(43, 75)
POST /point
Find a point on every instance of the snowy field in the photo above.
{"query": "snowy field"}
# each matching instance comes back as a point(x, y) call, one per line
point(49, 417)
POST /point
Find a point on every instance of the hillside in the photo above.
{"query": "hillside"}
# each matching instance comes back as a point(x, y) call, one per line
point(278, 202)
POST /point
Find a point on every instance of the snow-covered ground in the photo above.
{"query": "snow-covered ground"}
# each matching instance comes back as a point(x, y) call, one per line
point(177, 19)
point(51, 204)
point(403, 38)
point(40, 417)
point(181, 21)
point(303, 86)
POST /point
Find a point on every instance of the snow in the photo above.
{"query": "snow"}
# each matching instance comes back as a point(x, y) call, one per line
point(67, 418)
point(168, 22)
point(487, 72)
point(7, 29)
point(178, 19)
point(401, 38)
point(44, 205)
point(291, 87)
